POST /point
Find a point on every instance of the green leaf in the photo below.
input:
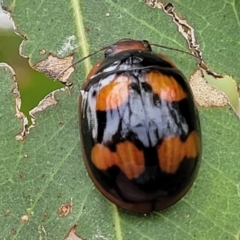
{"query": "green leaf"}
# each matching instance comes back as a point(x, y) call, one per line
point(46, 170)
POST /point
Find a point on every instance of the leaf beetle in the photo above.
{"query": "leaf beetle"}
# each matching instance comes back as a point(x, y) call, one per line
point(139, 128)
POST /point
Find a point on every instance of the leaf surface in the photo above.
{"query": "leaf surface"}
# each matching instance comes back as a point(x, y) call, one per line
point(46, 170)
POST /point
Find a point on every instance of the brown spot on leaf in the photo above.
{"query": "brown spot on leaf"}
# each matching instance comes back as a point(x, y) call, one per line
point(65, 209)
point(25, 218)
point(87, 30)
point(60, 123)
point(42, 51)
point(21, 175)
point(45, 214)
point(7, 212)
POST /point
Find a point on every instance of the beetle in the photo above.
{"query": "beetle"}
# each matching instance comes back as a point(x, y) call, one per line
point(139, 128)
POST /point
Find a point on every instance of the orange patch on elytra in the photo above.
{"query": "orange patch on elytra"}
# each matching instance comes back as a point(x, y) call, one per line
point(113, 94)
point(172, 151)
point(166, 87)
point(127, 157)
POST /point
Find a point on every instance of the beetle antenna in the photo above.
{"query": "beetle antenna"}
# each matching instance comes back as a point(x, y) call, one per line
point(80, 60)
point(175, 49)
point(104, 48)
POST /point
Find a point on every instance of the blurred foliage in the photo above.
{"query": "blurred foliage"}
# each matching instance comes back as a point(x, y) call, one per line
point(33, 85)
